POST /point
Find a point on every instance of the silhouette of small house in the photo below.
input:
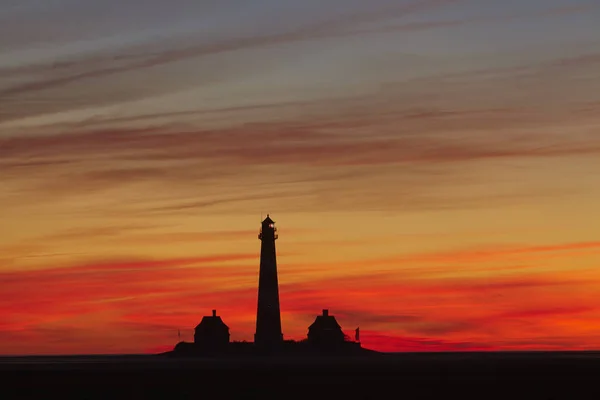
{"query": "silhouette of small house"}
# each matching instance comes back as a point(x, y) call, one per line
point(325, 330)
point(212, 332)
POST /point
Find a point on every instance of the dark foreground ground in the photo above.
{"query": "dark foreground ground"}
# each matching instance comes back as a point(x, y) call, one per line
point(398, 376)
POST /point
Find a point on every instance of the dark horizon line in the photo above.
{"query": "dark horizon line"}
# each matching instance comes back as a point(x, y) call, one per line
point(7, 356)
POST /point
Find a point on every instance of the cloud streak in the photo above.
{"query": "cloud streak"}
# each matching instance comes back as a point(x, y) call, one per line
point(87, 162)
point(128, 294)
point(130, 62)
point(62, 74)
point(275, 144)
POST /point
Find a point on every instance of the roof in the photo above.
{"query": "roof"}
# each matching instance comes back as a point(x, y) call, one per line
point(325, 322)
point(211, 323)
point(268, 220)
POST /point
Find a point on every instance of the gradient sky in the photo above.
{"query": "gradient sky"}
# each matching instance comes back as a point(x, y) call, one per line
point(433, 168)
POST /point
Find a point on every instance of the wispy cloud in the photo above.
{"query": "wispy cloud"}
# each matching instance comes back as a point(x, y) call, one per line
point(571, 9)
point(189, 159)
point(66, 72)
point(172, 292)
point(385, 342)
point(286, 143)
point(62, 77)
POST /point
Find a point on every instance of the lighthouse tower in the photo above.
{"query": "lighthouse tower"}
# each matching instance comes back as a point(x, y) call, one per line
point(268, 317)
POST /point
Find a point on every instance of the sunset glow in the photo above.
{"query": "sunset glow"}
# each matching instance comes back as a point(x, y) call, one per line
point(433, 169)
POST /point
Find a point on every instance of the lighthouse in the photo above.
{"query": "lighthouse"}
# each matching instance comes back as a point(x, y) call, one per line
point(268, 317)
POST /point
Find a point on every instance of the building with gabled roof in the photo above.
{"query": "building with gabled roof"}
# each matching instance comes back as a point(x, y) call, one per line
point(211, 332)
point(325, 330)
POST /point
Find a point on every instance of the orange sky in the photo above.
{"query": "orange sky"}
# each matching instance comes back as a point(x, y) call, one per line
point(432, 166)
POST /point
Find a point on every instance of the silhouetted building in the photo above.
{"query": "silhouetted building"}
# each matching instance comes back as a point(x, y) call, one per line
point(325, 330)
point(212, 332)
point(268, 317)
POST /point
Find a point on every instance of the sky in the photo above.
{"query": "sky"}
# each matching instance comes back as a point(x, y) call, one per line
point(432, 167)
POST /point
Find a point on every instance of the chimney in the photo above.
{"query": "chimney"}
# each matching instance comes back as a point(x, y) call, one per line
point(214, 313)
point(325, 313)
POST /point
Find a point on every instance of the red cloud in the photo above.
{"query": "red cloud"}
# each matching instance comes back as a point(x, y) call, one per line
point(134, 305)
point(548, 312)
point(390, 343)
